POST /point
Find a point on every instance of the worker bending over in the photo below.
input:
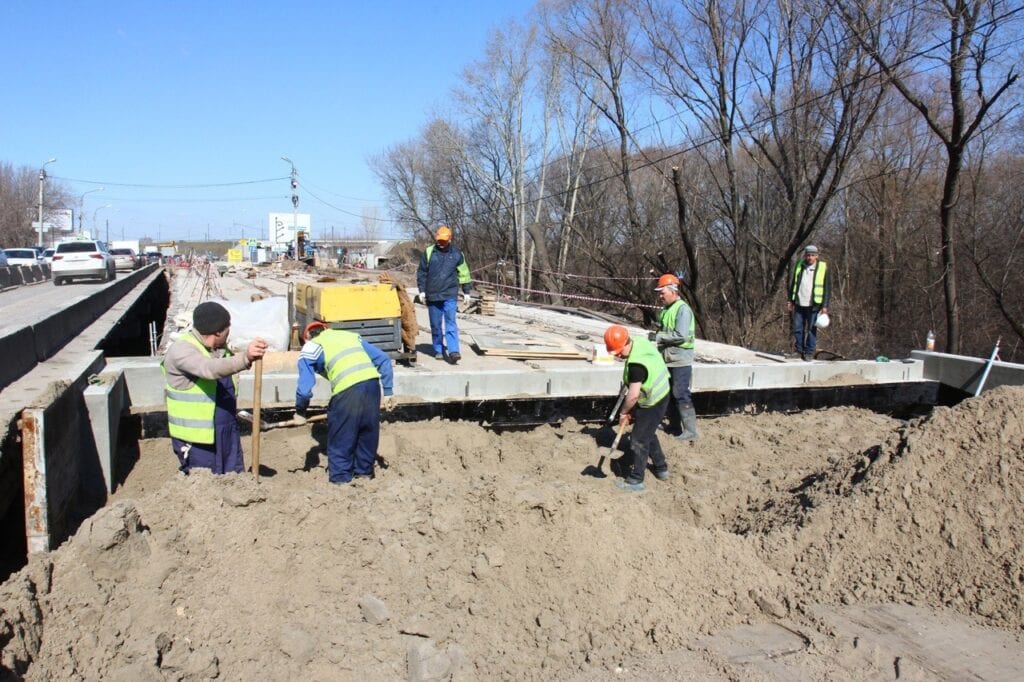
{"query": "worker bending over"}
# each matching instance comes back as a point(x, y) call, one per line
point(201, 392)
point(358, 373)
point(647, 389)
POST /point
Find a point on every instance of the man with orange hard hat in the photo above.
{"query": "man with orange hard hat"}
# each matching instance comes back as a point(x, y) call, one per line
point(442, 271)
point(647, 389)
point(676, 339)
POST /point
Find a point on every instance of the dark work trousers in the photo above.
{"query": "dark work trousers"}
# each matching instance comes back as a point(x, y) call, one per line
point(805, 334)
point(225, 454)
point(681, 395)
point(353, 431)
point(644, 441)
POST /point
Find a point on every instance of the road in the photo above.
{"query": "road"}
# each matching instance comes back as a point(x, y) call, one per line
point(21, 306)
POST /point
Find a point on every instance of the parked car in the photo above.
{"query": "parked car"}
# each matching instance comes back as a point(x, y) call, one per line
point(47, 256)
point(82, 258)
point(21, 256)
point(125, 259)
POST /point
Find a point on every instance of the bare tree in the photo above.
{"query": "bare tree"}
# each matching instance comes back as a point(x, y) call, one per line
point(963, 35)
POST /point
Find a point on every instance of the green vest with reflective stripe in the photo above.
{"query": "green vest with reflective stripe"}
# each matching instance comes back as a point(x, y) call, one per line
point(656, 386)
point(668, 324)
point(818, 295)
point(461, 270)
point(345, 361)
point(190, 411)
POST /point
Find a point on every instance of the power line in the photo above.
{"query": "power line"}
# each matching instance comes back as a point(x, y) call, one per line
point(207, 186)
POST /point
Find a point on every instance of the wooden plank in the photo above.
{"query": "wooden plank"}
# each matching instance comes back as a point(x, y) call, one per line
point(527, 348)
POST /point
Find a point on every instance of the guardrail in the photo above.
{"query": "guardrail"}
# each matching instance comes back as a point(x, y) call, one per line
point(18, 275)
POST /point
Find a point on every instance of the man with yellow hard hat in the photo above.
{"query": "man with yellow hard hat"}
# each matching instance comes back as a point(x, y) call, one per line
point(442, 272)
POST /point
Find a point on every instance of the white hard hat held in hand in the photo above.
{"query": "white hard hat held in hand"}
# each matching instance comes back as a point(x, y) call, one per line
point(822, 321)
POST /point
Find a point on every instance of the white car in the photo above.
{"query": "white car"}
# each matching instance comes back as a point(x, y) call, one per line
point(82, 258)
point(47, 256)
point(21, 257)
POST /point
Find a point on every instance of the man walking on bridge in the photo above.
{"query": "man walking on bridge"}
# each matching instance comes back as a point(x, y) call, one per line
point(201, 392)
point(442, 271)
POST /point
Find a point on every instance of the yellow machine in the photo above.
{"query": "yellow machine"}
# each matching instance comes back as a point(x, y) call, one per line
point(374, 311)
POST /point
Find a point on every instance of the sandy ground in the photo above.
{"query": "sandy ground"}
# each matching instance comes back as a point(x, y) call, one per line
point(479, 555)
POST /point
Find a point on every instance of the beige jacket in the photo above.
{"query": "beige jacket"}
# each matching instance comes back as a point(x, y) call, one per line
point(184, 363)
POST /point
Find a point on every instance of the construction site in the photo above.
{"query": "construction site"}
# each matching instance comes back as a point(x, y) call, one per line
point(834, 520)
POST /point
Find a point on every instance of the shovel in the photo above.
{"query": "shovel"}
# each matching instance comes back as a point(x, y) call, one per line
point(598, 471)
point(265, 426)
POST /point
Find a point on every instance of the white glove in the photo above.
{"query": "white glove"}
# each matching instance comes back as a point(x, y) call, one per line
point(466, 298)
point(298, 420)
point(388, 403)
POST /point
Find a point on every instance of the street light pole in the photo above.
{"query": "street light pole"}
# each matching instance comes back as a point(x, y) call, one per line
point(98, 209)
point(81, 205)
point(42, 178)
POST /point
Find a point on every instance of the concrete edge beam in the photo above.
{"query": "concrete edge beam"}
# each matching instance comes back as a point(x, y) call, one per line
point(145, 381)
point(22, 349)
point(51, 478)
point(965, 373)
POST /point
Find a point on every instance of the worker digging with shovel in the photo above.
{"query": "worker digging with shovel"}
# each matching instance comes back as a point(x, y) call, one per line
point(646, 379)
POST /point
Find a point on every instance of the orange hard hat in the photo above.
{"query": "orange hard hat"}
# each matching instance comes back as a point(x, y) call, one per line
point(616, 338)
point(667, 280)
point(307, 333)
point(443, 234)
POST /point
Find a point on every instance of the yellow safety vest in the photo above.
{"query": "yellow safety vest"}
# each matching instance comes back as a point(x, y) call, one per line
point(668, 324)
point(190, 411)
point(818, 294)
point(656, 386)
point(345, 361)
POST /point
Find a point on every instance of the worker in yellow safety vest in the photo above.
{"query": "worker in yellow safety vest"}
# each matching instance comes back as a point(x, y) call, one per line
point(359, 373)
point(646, 381)
point(201, 392)
point(809, 295)
point(676, 338)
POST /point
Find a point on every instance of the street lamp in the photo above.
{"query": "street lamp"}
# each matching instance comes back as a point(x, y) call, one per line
point(42, 178)
point(98, 209)
point(81, 204)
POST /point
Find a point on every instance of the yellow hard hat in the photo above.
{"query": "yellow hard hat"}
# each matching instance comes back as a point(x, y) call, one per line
point(443, 234)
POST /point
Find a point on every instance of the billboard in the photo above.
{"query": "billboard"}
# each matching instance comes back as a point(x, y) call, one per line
point(283, 226)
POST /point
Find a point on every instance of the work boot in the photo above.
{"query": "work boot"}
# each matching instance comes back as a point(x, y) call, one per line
point(630, 484)
point(439, 356)
point(688, 419)
point(661, 475)
point(454, 358)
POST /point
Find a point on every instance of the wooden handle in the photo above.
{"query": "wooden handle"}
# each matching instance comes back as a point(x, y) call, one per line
point(257, 393)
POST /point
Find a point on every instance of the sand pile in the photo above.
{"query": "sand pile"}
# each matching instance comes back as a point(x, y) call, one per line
point(927, 517)
point(479, 555)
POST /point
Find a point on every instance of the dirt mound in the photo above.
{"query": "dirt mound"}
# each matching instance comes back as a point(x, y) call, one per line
point(928, 517)
point(480, 555)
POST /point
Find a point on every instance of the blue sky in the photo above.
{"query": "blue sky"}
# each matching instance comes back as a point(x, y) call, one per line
point(205, 93)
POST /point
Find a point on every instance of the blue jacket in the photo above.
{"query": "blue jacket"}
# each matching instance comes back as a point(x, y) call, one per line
point(441, 272)
point(311, 363)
